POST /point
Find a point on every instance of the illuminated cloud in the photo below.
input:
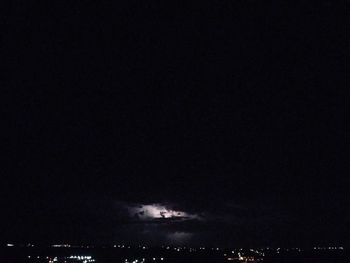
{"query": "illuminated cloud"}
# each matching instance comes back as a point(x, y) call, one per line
point(158, 211)
point(180, 224)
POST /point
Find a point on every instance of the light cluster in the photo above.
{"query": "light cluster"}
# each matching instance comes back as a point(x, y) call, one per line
point(84, 259)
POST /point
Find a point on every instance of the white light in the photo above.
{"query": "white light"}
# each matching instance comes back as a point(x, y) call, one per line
point(10, 245)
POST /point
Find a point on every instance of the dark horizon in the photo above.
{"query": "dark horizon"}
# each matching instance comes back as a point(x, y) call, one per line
point(222, 124)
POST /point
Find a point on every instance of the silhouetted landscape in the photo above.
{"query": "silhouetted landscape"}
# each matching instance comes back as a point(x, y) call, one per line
point(129, 254)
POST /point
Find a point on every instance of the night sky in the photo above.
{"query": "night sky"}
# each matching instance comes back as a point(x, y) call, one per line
point(221, 124)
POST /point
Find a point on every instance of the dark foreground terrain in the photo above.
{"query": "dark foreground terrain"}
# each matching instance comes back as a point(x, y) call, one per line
point(125, 254)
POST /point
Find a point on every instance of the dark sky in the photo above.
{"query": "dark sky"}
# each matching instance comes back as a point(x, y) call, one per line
point(145, 121)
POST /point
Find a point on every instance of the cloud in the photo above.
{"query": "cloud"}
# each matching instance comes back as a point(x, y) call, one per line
point(157, 212)
point(156, 223)
point(179, 237)
point(170, 223)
